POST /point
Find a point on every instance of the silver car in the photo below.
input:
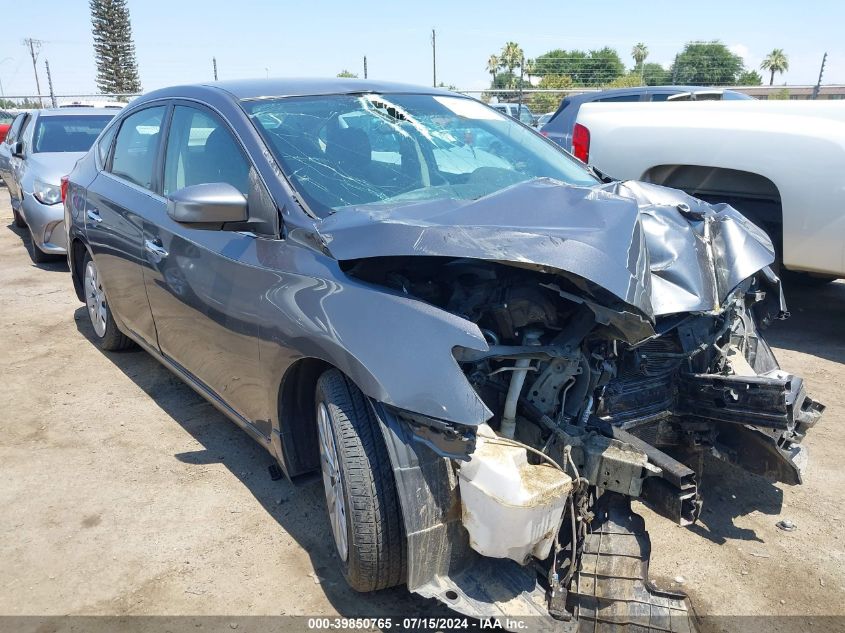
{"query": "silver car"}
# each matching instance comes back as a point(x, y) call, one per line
point(45, 147)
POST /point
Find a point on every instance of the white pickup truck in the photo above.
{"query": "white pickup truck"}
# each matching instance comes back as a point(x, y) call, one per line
point(781, 163)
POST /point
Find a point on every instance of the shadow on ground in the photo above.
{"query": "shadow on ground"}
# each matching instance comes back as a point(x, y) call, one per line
point(298, 508)
point(728, 492)
point(815, 323)
point(57, 263)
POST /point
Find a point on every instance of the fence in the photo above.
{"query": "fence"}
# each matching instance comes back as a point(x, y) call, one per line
point(539, 99)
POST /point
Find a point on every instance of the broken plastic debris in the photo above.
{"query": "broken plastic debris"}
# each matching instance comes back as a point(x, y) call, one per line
point(786, 525)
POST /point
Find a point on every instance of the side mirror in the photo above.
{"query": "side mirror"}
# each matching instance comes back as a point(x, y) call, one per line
point(207, 206)
point(17, 149)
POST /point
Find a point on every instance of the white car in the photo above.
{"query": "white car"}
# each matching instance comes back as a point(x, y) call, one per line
point(778, 162)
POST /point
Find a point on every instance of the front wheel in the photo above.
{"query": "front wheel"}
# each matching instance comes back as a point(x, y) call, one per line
point(19, 221)
point(361, 494)
point(106, 333)
point(36, 254)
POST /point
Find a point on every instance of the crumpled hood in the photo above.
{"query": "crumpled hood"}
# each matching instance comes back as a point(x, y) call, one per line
point(657, 249)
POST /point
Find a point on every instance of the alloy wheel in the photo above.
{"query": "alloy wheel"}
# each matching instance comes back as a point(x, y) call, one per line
point(95, 299)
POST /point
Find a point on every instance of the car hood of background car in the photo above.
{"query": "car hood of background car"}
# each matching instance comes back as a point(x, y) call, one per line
point(49, 167)
point(657, 249)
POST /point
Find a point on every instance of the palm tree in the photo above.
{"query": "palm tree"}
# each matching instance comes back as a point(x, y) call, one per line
point(511, 58)
point(639, 53)
point(492, 66)
point(529, 67)
point(775, 62)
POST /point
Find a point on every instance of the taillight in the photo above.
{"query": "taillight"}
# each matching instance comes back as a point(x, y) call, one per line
point(64, 187)
point(581, 143)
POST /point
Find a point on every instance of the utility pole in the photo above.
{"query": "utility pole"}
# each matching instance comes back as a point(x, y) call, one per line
point(50, 84)
point(34, 47)
point(434, 58)
point(214, 63)
point(365, 66)
point(818, 85)
point(675, 71)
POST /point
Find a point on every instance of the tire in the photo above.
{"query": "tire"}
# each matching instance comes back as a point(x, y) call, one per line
point(808, 280)
point(19, 221)
point(362, 485)
point(106, 333)
point(36, 254)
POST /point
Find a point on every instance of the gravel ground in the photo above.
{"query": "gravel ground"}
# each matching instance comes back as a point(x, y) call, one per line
point(124, 493)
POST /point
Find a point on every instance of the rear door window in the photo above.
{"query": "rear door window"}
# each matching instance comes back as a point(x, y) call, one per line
point(620, 98)
point(104, 145)
point(200, 150)
point(136, 147)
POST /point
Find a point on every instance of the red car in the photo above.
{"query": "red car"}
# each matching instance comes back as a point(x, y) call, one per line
point(5, 122)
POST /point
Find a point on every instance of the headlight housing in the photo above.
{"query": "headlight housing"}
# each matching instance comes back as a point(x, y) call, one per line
point(46, 193)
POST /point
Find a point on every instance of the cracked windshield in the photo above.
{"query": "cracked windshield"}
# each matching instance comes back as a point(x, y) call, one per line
point(351, 150)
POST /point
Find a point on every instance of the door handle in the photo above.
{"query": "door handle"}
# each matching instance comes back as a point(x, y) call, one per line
point(94, 216)
point(155, 248)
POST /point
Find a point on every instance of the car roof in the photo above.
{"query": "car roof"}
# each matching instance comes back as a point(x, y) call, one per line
point(247, 89)
point(600, 94)
point(84, 111)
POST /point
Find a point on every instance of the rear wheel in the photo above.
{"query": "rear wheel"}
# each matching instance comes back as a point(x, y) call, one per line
point(106, 333)
point(360, 490)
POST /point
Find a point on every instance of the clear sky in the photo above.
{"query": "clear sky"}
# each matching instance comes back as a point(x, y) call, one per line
point(176, 39)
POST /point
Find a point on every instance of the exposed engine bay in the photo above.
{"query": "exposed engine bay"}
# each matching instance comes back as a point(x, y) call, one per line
point(612, 357)
point(588, 404)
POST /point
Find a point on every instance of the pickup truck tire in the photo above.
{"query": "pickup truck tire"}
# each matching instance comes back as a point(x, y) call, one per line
point(811, 280)
point(361, 494)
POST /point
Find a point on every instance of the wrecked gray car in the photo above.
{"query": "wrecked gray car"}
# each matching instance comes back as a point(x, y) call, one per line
point(486, 350)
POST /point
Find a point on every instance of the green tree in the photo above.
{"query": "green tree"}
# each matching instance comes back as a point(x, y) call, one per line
point(775, 62)
point(591, 68)
point(547, 101)
point(706, 64)
point(749, 78)
point(511, 57)
point(779, 95)
point(655, 75)
point(639, 53)
point(493, 64)
point(347, 74)
point(631, 80)
point(114, 50)
point(530, 69)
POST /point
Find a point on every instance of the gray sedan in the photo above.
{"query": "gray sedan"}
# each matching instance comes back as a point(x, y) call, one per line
point(484, 350)
point(41, 148)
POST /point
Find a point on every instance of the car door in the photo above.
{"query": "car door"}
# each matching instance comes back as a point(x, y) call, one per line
point(6, 149)
point(203, 291)
point(121, 195)
point(16, 163)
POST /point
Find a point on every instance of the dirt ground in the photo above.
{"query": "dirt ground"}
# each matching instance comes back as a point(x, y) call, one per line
point(124, 493)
